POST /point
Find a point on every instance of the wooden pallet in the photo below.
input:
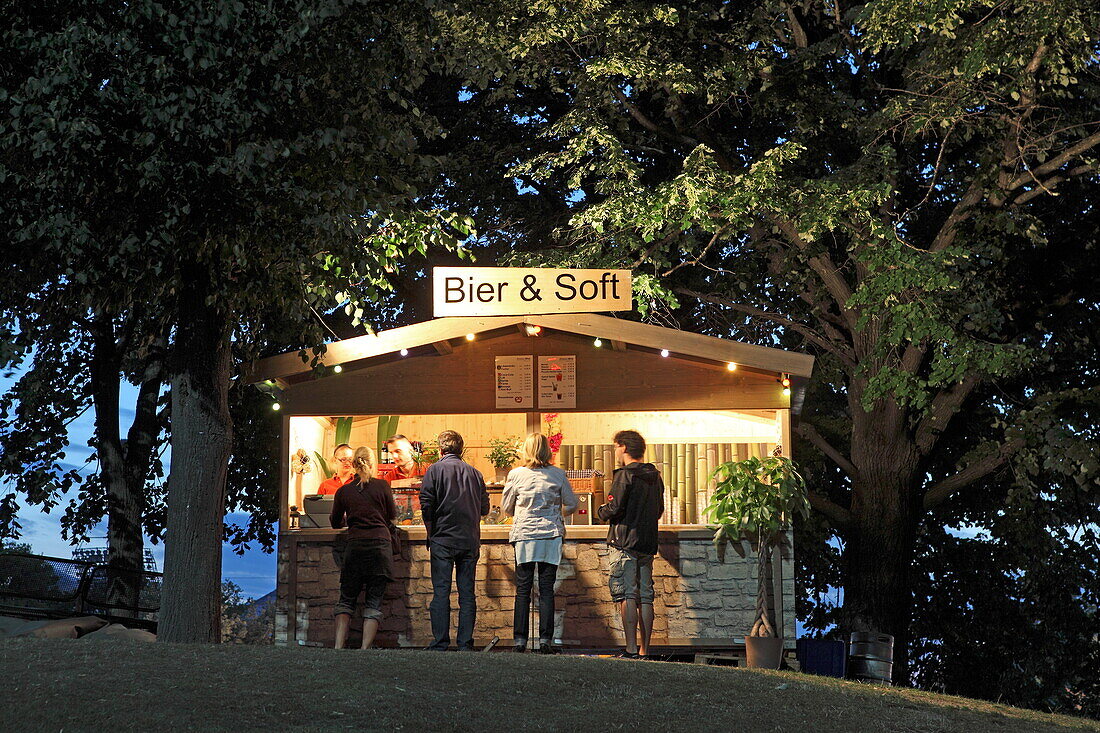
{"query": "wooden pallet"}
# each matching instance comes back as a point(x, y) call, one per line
point(738, 660)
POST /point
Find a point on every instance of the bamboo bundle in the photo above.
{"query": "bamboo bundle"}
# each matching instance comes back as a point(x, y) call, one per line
point(586, 458)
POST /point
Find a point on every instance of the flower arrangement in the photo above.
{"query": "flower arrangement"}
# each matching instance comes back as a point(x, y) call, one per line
point(301, 462)
point(553, 431)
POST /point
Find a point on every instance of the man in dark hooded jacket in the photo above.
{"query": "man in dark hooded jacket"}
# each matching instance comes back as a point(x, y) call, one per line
point(634, 506)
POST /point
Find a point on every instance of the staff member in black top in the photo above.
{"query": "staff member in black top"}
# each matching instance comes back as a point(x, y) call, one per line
point(368, 506)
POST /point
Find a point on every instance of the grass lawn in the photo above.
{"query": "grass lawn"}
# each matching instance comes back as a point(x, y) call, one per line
point(114, 685)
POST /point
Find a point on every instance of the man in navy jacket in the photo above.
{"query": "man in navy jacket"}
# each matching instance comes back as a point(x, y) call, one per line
point(453, 499)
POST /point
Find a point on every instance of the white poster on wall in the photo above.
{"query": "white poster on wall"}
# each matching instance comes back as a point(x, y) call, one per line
point(558, 382)
point(515, 382)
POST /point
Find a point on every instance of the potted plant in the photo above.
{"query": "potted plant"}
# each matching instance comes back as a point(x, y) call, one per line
point(503, 454)
point(756, 499)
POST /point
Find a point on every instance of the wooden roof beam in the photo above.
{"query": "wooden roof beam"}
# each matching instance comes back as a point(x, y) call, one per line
point(443, 347)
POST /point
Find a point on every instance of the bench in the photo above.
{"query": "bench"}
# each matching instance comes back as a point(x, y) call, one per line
point(37, 586)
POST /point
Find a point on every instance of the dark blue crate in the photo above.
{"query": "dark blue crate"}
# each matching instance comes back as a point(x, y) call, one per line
point(822, 656)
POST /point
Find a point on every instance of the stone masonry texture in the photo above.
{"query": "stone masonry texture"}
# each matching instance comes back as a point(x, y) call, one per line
point(697, 597)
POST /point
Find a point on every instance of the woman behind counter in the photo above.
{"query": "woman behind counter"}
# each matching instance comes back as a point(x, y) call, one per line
point(368, 505)
point(537, 493)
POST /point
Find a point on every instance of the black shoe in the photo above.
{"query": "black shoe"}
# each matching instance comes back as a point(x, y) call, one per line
point(629, 655)
point(548, 649)
point(519, 648)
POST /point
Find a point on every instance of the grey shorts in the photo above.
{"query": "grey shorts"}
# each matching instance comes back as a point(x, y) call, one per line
point(631, 576)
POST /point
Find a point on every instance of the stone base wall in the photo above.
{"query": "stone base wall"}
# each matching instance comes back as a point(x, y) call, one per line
point(698, 599)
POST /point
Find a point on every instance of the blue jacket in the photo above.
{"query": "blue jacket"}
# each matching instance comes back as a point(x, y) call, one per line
point(453, 499)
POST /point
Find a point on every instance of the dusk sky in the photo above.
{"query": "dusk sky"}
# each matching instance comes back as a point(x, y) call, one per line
point(254, 572)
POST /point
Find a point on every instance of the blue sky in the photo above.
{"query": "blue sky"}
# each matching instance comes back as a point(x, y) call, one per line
point(254, 571)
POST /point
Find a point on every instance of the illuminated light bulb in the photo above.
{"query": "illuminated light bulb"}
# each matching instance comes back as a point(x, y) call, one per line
point(786, 382)
point(276, 406)
point(470, 337)
point(337, 369)
point(731, 366)
point(533, 330)
point(404, 352)
point(664, 352)
point(597, 343)
point(786, 391)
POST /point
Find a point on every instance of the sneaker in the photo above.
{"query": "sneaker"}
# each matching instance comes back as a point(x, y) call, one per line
point(519, 648)
point(545, 648)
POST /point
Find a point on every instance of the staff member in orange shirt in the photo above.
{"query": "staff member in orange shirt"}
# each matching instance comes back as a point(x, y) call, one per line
point(404, 460)
point(345, 471)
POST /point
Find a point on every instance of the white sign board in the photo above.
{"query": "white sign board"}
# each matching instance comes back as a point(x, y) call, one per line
point(558, 382)
point(515, 382)
point(520, 291)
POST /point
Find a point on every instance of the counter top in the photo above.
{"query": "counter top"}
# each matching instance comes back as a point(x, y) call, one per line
point(499, 532)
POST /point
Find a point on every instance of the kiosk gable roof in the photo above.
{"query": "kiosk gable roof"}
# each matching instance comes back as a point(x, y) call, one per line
point(440, 330)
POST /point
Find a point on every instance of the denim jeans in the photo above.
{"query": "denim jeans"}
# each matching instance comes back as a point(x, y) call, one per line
point(462, 563)
point(521, 617)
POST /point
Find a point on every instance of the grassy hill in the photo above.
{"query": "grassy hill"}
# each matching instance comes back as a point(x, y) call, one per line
point(113, 685)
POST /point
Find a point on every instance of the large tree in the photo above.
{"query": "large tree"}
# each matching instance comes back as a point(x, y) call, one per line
point(235, 168)
point(881, 184)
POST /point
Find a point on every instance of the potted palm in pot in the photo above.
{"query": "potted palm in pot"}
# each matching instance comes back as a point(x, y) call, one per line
point(756, 499)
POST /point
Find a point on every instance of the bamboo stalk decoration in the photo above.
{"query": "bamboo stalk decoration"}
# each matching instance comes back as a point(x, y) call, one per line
point(609, 461)
point(712, 463)
point(689, 483)
point(681, 480)
point(586, 459)
point(701, 475)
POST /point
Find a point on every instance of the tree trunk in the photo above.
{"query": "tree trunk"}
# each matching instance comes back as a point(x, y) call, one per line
point(880, 539)
point(201, 444)
point(125, 544)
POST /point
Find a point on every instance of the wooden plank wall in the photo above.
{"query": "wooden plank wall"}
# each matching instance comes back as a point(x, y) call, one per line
point(464, 382)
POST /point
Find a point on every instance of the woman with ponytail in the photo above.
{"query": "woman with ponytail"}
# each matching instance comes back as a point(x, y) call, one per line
point(366, 507)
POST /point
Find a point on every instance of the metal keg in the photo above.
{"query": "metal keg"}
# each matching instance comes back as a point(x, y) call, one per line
point(871, 657)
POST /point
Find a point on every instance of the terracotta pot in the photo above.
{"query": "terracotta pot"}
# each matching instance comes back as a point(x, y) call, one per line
point(763, 652)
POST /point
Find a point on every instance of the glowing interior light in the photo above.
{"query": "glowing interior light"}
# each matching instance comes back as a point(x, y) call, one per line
point(404, 352)
point(786, 382)
point(597, 343)
point(533, 330)
point(786, 391)
point(337, 369)
point(470, 337)
point(276, 406)
point(664, 352)
point(731, 366)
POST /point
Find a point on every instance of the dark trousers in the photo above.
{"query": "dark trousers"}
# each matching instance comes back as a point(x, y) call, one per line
point(463, 564)
point(521, 618)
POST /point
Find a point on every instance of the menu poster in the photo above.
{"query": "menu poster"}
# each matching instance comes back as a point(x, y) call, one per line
point(515, 385)
point(558, 382)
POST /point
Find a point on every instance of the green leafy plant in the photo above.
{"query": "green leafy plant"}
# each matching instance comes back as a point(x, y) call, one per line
point(757, 498)
point(428, 454)
point(504, 452)
point(387, 428)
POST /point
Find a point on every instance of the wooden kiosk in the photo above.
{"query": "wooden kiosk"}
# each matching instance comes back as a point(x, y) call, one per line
point(697, 400)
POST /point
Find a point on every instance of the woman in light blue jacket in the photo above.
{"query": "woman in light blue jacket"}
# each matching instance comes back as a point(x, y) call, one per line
point(537, 494)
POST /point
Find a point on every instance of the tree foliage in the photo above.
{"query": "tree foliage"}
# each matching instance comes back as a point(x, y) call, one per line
point(896, 187)
point(229, 170)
